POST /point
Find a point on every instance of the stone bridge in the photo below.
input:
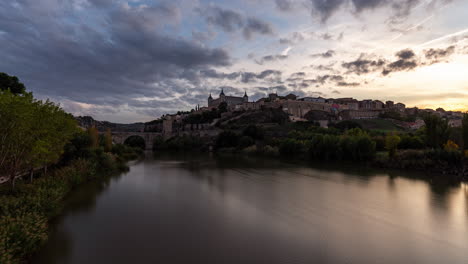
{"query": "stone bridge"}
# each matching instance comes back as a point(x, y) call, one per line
point(149, 137)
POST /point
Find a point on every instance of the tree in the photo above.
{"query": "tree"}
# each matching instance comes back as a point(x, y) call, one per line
point(94, 136)
point(32, 133)
point(11, 83)
point(108, 141)
point(437, 131)
point(391, 144)
point(465, 131)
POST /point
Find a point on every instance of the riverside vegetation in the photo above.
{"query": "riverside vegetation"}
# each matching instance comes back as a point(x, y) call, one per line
point(35, 135)
point(436, 147)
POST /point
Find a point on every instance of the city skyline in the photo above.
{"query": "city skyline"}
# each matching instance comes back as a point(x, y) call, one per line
point(130, 61)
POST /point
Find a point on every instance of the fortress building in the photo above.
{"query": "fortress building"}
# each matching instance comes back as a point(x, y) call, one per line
point(229, 100)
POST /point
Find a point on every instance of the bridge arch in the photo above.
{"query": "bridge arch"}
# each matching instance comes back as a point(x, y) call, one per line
point(149, 138)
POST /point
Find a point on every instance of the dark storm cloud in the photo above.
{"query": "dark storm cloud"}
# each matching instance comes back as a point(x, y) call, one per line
point(364, 65)
point(327, 54)
point(406, 61)
point(232, 21)
point(436, 55)
point(132, 58)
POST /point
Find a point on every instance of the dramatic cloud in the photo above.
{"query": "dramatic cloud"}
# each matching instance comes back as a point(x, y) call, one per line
point(270, 58)
point(348, 84)
point(133, 57)
point(364, 65)
point(231, 21)
point(327, 54)
point(407, 61)
point(436, 55)
point(400, 8)
point(135, 60)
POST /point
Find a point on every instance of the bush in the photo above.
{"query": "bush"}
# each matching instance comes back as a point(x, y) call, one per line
point(411, 142)
point(227, 139)
point(245, 142)
point(291, 147)
point(254, 132)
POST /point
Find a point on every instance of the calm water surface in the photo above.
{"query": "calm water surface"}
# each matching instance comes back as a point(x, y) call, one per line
point(201, 209)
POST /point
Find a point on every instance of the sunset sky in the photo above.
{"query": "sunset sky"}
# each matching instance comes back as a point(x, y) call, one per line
point(130, 61)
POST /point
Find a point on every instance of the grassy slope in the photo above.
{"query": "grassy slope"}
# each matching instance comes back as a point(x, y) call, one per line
point(378, 124)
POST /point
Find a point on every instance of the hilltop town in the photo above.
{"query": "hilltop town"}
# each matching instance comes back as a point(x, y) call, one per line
point(323, 111)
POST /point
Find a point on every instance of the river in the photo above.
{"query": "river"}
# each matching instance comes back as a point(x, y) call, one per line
point(205, 209)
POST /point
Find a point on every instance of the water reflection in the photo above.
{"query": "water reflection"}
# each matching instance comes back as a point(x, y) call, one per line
point(228, 209)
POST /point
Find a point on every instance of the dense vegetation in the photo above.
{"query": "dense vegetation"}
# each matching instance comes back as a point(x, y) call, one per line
point(435, 147)
point(35, 135)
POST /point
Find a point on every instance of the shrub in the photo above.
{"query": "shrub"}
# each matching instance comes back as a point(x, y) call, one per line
point(391, 144)
point(245, 142)
point(227, 139)
point(411, 142)
point(291, 147)
point(450, 146)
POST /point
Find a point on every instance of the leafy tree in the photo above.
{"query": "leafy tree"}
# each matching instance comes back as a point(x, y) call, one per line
point(437, 131)
point(391, 144)
point(451, 146)
point(410, 142)
point(108, 141)
point(11, 83)
point(246, 141)
point(94, 137)
point(227, 139)
point(465, 131)
point(291, 147)
point(32, 133)
point(254, 132)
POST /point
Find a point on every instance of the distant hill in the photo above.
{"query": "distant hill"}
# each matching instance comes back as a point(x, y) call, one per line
point(88, 121)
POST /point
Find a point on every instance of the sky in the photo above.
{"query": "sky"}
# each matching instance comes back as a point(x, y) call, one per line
point(135, 60)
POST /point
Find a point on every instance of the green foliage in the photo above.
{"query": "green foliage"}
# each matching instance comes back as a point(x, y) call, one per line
point(437, 131)
point(411, 142)
point(254, 132)
point(345, 125)
point(108, 141)
point(33, 133)
point(325, 147)
point(465, 131)
point(291, 147)
point(227, 139)
point(246, 141)
point(135, 142)
point(11, 83)
point(391, 144)
point(93, 136)
point(357, 145)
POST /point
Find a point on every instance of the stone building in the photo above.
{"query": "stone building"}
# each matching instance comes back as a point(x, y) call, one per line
point(229, 100)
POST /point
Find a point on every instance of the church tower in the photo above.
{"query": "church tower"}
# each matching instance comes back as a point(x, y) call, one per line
point(210, 100)
point(246, 98)
point(222, 96)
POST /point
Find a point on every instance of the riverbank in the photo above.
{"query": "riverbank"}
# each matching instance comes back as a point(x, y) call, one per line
point(26, 210)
